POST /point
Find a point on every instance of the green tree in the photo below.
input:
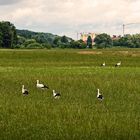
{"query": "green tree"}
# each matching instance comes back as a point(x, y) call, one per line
point(89, 42)
point(79, 44)
point(28, 42)
point(136, 40)
point(21, 40)
point(103, 41)
point(56, 41)
point(40, 38)
point(1, 39)
point(47, 45)
point(34, 45)
point(64, 39)
point(130, 41)
point(74, 44)
point(8, 34)
point(50, 40)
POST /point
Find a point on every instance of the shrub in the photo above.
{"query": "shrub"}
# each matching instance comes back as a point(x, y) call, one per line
point(34, 46)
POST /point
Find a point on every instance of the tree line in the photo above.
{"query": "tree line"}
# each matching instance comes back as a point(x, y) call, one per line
point(10, 37)
point(128, 41)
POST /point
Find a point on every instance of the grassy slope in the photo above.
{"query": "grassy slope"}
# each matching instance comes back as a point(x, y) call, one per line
point(77, 115)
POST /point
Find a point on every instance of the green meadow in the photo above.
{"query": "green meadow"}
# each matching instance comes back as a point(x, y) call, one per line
point(76, 74)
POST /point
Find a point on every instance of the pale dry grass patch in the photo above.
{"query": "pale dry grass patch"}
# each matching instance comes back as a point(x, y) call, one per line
point(89, 52)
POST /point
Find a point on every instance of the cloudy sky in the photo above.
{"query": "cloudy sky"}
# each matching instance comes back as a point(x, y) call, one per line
point(71, 16)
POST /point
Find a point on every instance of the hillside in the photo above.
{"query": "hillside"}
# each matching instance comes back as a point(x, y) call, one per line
point(40, 37)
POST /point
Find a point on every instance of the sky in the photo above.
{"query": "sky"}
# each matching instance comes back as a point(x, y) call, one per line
point(69, 17)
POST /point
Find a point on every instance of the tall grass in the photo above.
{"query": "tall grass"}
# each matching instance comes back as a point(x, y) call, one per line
point(78, 114)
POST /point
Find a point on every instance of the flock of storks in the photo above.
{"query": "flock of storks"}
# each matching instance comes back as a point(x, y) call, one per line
point(57, 95)
point(116, 65)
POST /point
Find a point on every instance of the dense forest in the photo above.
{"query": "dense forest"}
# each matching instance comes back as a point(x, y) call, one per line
point(10, 37)
point(31, 39)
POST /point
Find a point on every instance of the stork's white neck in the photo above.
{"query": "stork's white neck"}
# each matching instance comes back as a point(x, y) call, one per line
point(37, 81)
point(54, 92)
point(23, 89)
point(22, 86)
point(98, 92)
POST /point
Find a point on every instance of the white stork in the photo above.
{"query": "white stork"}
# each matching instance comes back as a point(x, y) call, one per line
point(24, 90)
point(42, 86)
point(118, 64)
point(56, 95)
point(103, 64)
point(99, 95)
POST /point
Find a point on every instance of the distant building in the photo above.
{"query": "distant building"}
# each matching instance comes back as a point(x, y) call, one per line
point(116, 37)
point(84, 36)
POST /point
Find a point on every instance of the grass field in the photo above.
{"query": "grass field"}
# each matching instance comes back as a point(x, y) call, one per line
point(76, 74)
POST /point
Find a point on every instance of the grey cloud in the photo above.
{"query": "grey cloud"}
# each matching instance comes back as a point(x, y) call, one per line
point(8, 2)
point(70, 16)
